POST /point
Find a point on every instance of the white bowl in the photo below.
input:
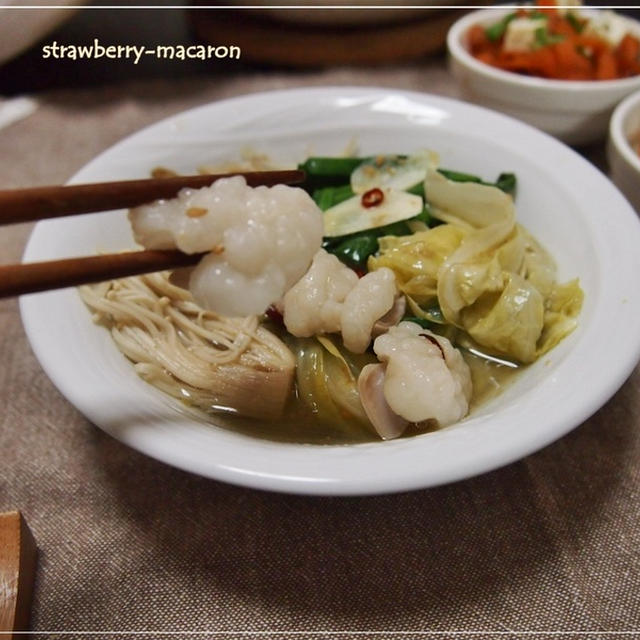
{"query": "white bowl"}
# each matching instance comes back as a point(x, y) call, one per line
point(576, 112)
point(21, 26)
point(624, 162)
point(561, 199)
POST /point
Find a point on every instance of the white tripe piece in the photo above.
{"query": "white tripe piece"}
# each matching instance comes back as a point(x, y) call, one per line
point(260, 240)
point(313, 305)
point(330, 298)
point(371, 298)
point(426, 378)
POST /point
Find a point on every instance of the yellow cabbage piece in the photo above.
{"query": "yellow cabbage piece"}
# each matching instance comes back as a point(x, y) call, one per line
point(417, 258)
point(490, 276)
point(326, 383)
point(509, 320)
point(561, 310)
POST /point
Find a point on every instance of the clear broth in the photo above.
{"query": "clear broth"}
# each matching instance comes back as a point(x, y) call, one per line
point(300, 425)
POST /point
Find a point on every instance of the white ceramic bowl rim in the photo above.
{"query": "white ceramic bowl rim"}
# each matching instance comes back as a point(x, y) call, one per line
point(457, 49)
point(617, 131)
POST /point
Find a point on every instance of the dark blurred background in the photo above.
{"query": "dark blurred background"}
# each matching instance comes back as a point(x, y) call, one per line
point(30, 73)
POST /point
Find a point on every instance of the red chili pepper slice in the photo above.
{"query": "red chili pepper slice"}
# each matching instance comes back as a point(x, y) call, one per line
point(372, 198)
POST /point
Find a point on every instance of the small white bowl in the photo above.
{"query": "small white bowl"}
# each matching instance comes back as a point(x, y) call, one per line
point(624, 162)
point(575, 111)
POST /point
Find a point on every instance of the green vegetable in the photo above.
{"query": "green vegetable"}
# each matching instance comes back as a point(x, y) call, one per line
point(328, 197)
point(425, 215)
point(326, 166)
point(328, 172)
point(417, 189)
point(355, 250)
point(544, 38)
point(506, 181)
point(574, 21)
point(459, 176)
point(496, 30)
point(478, 278)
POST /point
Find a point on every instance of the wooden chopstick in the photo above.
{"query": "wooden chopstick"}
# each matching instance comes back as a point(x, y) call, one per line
point(18, 279)
point(18, 567)
point(27, 205)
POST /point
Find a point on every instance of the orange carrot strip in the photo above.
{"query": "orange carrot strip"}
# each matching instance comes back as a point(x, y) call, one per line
point(592, 43)
point(543, 61)
point(606, 66)
point(570, 63)
point(628, 54)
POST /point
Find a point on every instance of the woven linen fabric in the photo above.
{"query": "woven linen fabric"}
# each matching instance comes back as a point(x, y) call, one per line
point(550, 543)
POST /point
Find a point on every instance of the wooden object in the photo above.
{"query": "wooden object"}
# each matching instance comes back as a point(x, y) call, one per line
point(26, 205)
point(18, 279)
point(266, 40)
point(18, 555)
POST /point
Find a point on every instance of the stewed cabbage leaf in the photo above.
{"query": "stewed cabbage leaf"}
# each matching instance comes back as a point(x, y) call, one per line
point(489, 276)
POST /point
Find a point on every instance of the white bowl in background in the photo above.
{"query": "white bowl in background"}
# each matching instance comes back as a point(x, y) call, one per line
point(22, 25)
point(575, 111)
point(561, 199)
point(624, 161)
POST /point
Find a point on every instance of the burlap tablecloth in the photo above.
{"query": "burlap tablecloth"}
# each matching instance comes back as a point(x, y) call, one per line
point(550, 543)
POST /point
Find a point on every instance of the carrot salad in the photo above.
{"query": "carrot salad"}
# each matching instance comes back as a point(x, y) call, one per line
point(549, 42)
